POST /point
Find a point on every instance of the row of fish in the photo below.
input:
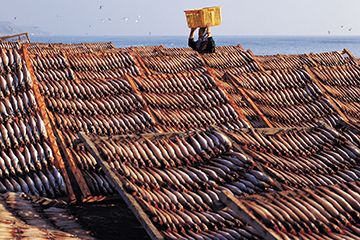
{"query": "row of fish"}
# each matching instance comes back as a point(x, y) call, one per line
point(21, 104)
point(339, 76)
point(9, 59)
point(55, 48)
point(46, 62)
point(23, 218)
point(298, 158)
point(172, 64)
point(192, 80)
point(329, 59)
point(100, 61)
point(228, 59)
point(178, 178)
point(26, 160)
point(86, 89)
point(280, 61)
point(325, 212)
point(288, 98)
point(182, 105)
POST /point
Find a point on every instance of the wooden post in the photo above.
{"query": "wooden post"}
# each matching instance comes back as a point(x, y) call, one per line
point(248, 99)
point(231, 201)
point(59, 163)
point(118, 186)
point(220, 85)
point(324, 89)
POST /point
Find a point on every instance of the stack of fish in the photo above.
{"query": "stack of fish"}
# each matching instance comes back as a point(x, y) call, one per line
point(325, 212)
point(279, 61)
point(23, 218)
point(177, 179)
point(288, 97)
point(188, 100)
point(343, 85)
point(102, 107)
point(303, 158)
point(104, 65)
point(26, 161)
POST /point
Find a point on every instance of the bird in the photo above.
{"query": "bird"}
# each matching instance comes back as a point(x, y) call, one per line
point(101, 7)
point(350, 29)
point(15, 18)
point(329, 32)
point(342, 26)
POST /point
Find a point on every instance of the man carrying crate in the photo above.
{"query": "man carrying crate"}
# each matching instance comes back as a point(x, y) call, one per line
point(205, 42)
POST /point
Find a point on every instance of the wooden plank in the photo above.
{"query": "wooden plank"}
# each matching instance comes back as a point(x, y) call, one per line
point(231, 201)
point(248, 99)
point(144, 219)
point(237, 109)
point(326, 92)
point(59, 163)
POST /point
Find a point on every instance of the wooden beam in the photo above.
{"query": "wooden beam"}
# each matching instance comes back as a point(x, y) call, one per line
point(237, 109)
point(59, 163)
point(231, 201)
point(326, 91)
point(144, 219)
point(248, 99)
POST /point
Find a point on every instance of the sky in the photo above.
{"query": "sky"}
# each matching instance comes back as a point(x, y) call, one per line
point(166, 17)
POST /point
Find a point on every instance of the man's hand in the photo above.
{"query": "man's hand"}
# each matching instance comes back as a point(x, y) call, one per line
point(209, 31)
point(192, 32)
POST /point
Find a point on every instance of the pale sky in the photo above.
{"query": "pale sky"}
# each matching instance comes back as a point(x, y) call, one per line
point(166, 17)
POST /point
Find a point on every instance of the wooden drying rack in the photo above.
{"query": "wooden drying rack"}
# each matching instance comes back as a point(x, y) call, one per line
point(59, 163)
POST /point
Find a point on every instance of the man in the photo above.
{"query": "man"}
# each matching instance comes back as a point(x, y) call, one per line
point(205, 42)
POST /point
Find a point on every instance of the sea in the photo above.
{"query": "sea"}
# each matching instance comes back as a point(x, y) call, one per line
point(260, 45)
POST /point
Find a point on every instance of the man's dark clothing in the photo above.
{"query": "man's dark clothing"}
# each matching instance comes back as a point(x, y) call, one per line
point(206, 46)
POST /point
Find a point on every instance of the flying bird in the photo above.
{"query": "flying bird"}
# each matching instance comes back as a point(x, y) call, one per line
point(350, 29)
point(329, 32)
point(101, 7)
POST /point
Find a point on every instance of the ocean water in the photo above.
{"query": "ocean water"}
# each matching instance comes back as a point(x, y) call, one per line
point(259, 45)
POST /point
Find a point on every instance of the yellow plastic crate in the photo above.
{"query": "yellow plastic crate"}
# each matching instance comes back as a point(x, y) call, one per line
point(205, 17)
